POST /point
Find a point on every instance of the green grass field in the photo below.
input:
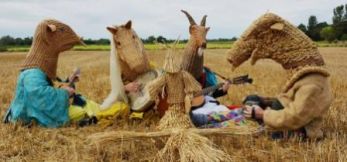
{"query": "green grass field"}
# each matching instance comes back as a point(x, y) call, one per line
point(210, 45)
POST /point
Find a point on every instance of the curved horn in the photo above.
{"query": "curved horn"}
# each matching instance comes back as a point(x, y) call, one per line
point(191, 20)
point(203, 21)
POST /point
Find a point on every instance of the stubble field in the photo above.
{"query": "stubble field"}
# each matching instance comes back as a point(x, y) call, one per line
point(70, 144)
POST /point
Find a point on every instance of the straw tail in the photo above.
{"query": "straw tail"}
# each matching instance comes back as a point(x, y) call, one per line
point(117, 87)
point(186, 146)
point(175, 118)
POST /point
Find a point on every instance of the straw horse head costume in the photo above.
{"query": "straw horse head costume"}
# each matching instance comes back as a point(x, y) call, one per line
point(130, 50)
point(306, 95)
point(193, 59)
point(128, 60)
point(51, 38)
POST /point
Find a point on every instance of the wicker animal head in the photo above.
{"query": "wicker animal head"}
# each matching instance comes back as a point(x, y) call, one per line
point(51, 37)
point(193, 59)
point(271, 37)
point(198, 32)
point(132, 55)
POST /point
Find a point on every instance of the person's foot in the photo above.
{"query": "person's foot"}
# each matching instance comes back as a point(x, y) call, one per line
point(87, 121)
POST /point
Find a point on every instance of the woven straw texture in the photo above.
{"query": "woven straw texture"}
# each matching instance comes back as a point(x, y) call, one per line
point(297, 74)
point(274, 38)
point(47, 45)
point(132, 56)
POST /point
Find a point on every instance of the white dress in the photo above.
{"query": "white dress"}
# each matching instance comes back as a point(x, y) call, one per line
point(209, 107)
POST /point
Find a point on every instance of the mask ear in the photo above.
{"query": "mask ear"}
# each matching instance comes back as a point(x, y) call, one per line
point(207, 29)
point(277, 26)
point(254, 56)
point(48, 28)
point(191, 28)
point(51, 27)
point(128, 25)
point(112, 29)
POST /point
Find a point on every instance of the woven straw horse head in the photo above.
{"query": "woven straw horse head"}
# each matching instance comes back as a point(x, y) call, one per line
point(131, 53)
point(127, 61)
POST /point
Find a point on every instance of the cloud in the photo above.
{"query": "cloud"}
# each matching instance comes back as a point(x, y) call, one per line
point(227, 18)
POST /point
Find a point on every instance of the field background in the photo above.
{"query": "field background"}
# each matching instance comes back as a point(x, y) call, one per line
point(70, 144)
point(181, 45)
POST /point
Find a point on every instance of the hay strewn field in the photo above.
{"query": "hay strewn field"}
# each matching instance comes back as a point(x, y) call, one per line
point(70, 144)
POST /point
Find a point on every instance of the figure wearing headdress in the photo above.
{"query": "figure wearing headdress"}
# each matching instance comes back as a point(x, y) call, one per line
point(36, 99)
point(306, 97)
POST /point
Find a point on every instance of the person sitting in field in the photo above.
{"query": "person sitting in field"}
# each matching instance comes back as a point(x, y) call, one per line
point(193, 62)
point(299, 109)
point(203, 115)
point(36, 99)
point(128, 61)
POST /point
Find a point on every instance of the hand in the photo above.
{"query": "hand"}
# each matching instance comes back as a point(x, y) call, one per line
point(226, 86)
point(69, 89)
point(74, 79)
point(132, 87)
point(258, 111)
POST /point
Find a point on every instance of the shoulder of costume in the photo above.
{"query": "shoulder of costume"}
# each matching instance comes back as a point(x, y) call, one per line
point(304, 71)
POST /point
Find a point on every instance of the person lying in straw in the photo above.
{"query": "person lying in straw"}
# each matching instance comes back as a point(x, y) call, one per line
point(210, 113)
point(36, 99)
point(306, 97)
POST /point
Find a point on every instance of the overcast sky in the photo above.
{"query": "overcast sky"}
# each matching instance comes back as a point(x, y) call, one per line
point(89, 18)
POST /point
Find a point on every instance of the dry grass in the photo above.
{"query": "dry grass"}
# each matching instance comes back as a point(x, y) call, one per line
point(71, 144)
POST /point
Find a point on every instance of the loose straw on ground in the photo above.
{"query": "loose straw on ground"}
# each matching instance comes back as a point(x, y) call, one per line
point(185, 143)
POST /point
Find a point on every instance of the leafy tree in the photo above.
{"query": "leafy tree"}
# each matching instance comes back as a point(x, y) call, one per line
point(340, 21)
point(161, 39)
point(7, 40)
point(313, 28)
point(328, 33)
point(312, 22)
point(303, 28)
point(338, 14)
point(344, 37)
point(150, 39)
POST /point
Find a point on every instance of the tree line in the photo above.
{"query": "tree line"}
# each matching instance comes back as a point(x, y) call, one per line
point(337, 31)
point(10, 41)
point(317, 31)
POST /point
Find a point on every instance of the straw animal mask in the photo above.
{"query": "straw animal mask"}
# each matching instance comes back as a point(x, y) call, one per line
point(273, 38)
point(133, 59)
point(193, 59)
point(51, 37)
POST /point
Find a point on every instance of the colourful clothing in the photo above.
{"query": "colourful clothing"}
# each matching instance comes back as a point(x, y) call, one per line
point(37, 100)
point(219, 119)
point(208, 79)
